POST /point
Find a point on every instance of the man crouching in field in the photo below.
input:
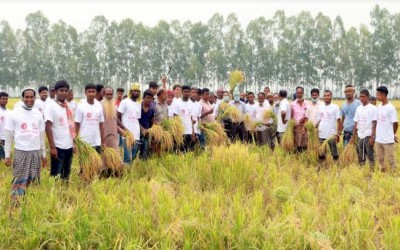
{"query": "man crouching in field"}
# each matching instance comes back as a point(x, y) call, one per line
point(25, 127)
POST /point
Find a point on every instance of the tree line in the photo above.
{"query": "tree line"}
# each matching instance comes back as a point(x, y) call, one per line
point(281, 52)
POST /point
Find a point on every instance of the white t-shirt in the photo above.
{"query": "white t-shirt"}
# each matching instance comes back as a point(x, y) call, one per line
point(327, 116)
point(259, 113)
point(170, 111)
point(284, 106)
point(90, 116)
point(387, 115)
point(72, 105)
point(216, 107)
point(196, 109)
point(60, 127)
point(184, 110)
point(27, 126)
point(130, 114)
point(364, 117)
point(3, 117)
point(251, 109)
point(41, 105)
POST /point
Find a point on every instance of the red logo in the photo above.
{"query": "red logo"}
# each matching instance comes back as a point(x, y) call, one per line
point(3, 118)
point(183, 111)
point(89, 115)
point(61, 120)
point(23, 125)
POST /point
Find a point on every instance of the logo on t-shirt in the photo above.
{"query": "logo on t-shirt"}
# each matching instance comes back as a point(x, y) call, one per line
point(34, 126)
point(24, 126)
point(61, 120)
point(2, 118)
point(89, 115)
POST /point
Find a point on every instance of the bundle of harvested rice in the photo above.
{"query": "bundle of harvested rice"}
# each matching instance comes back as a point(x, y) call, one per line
point(167, 142)
point(287, 142)
point(312, 141)
point(215, 133)
point(349, 154)
point(324, 150)
point(156, 133)
point(174, 126)
point(236, 78)
point(112, 159)
point(129, 138)
point(249, 124)
point(89, 160)
point(233, 114)
point(268, 115)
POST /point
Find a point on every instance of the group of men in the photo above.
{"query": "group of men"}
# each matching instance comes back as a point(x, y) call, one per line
point(100, 120)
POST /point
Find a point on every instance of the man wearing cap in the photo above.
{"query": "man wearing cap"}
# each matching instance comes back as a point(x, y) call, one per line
point(25, 128)
point(348, 112)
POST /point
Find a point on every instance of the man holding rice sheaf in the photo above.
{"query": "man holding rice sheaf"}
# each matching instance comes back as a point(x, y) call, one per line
point(298, 111)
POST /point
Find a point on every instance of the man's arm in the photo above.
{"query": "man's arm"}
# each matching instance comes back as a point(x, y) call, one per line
point(50, 138)
point(77, 128)
point(119, 120)
point(103, 140)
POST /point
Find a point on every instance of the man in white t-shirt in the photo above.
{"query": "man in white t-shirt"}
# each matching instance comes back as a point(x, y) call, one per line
point(365, 128)
point(25, 128)
point(196, 109)
point(42, 101)
point(251, 106)
point(265, 132)
point(129, 113)
point(386, 129)
point(70, 101)
point(284, 114)
point(184, 110)
point(60, 130)
point(3, 117)
point(328, 124)
point(89, 119)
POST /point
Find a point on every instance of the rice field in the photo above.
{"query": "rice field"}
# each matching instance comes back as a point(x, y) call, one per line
point(228, 197)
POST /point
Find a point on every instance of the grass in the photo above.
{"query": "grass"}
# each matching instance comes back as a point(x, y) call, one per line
point(237, 196)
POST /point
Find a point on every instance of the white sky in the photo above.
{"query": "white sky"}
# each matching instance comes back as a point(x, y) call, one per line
point(80, 13)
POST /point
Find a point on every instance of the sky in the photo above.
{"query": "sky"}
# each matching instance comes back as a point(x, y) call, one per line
point(80, 13)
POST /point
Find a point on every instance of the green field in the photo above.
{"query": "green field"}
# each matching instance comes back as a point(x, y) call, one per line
point(240, 196)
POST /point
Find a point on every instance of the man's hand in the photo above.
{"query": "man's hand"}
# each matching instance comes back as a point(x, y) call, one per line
point(371, 141)
point(7, 161)
point(145, 132)
point(210, 112)
point(53, 153)
point(44, 162)
point(74, 148)
point(337, 139)
point(164, 79)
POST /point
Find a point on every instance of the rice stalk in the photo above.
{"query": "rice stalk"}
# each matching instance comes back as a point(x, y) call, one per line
point(174, 126)
point(215, 133)
point(112, 159)
point(312, 141)
point(129, 138)
point(324, 150)
point(89, 160)
point(236, 78)
point(233, 114)
point(287, 142)
point(269, 116)
point(349, 154)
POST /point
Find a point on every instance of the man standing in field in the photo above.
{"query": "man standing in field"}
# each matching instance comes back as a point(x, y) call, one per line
point(129, 113)
point(348, 111)
point(298, 110)
point(283, 114)
point(146, 122)
point(3, 117)
point(60, 130)
point(70, 101)
point(161, 106)
point(195, 94)
point(42, 101)
point(264, 132)
point(25, 128)
point(251, 112)
point(184, 110)
point(207, 113)
point(120, 94)
point(312, 110)
point(365, 128)
point(386, 129)
point(89, 119)
point(328, 123)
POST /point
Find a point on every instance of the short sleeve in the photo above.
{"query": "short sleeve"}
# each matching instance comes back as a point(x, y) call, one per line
point(48, 114)
point(78, 114)
point(121, 107)
point(9, 122)
point(338, 112)
point(393, 115)
point(374, 113)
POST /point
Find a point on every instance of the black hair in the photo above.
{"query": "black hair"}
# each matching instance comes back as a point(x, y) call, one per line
point(34, 92)
point(315, 90)
point(283, 93)
point(199, 91)
point(61, 84)
point(383, 89)
point(153, 84)
point(147, 93)
point(365, 92)
point(300, 87)
point(349, 86)
point(250, 93)
point(42, 88)
point(90, 86)
point(372, 98)
point(176, 86)
point(99, 87)
point(184, 87)
point(328, 91)
point(160, 91)
point(120, 90)
point(3, 94)
point(205, 90)
point(262, 93)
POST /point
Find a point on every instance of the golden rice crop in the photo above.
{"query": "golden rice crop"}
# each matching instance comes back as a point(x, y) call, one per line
point(129, 138)
point(249, 124)
point(214, 132)
point(325, 150)
point(268, 115)
point(174, 126)
point(112, 159)
point(235, 79)
point(287, 142)
point(312, 140)
point(167, 142)
point(156, 133)
point(349, 154)
point(89, 160)
point(233, 114)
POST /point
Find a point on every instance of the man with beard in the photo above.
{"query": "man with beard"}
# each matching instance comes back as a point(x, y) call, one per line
point(60, 132)
point(348, 111)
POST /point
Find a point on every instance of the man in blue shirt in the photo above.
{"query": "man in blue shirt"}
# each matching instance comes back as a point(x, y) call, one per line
point(146, 122)
point(347, 113)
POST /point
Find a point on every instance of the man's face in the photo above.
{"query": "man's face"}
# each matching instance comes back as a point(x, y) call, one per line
point(299, 94)
point(327, 97)
point(380, 96)
point(52, 93)
point(314, 95)
point(186, 94)
point(120, 94)
point(70, 96)
point(163, 96)
point(220, 93)
point(270, 98)
point(267, 90)
point(29, 98)
point(276, 98)
point(206, 96)
point(99, 95)
point(242, 96)
point(90, 94)
point(148, 99)
point(178, 92)
point(3, 101)
point(43, 95)
point(364, 99)
point(108, 94)
point(169, 100)
point(153, 90)
point(349, 93)
point(373, 102)
point(261, 98)
point(135, 94)
point(250, 98)
point(194, 94)
point(62, 94)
